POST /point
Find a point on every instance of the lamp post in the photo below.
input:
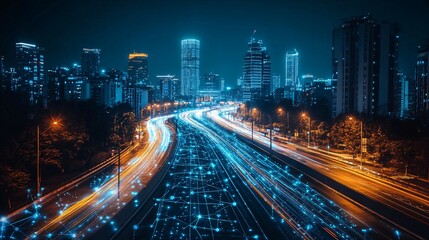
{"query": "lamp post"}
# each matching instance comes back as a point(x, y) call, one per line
point(309, 129)
point(361, 144)
point(280, 111)
point(39, 175)
point(254, 109)
point(271, 134)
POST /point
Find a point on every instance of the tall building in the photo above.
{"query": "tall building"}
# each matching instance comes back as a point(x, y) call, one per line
point(138, 98)
point(256, 72)
point(55, 85)
point(170, 87)
point(3, 84)
point(30, 71)
point(275, 82)
point(365, 65)
point(291, 76)
point(212, 82)
point(2, 67)
point(190, 67)
point(76, 88)
point(422, 79)
point(90, 62)
point(138, 68)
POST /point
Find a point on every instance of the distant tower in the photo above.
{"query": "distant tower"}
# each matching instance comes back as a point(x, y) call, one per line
point(30, 71)
point(170, 88)
point(256, 72)
point(190, 67)
point(90, 62)
point(292, 77)
point(138, 68)
point(275, 82)
point(422, 79)
point(212, 82)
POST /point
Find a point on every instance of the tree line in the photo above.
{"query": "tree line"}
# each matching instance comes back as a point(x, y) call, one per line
point(82, 129)
point(390, 142)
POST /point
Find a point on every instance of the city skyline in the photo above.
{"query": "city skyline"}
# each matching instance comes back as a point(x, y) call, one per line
point(287, 26)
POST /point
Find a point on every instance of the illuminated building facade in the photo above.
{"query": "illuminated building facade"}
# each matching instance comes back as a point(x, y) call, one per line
point(30, 71)
point(275, 82)
point(256, 72)
point(422, 79)
point(365, 65)
point(190, 67)
point(138, 68)
point(169, 86)
point(90, 62)
point(291, 76)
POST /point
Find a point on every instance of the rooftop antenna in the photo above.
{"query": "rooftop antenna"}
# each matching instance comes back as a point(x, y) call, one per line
point(253, 34)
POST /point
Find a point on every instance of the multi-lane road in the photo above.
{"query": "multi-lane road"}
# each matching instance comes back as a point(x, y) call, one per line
point(401, 205)
point(215, 182)
point(81, 208)
point(219, 187)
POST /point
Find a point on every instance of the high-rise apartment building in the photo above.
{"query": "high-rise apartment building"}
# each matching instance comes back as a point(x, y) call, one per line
point(212, 82)
point(291, 76)
point(365, 65)
point(422, 79)
point(190, 67)
point(138, 68)
point(30, 71)
point(256, 72)
point(275, 82)
point(3, 84)
point(170, 87)
point(90, 62)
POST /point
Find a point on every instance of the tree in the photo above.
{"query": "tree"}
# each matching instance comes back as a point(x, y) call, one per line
point(379, 145)
point(320, 132)
point(12, 181)
point(404, 151)
point(346, 132)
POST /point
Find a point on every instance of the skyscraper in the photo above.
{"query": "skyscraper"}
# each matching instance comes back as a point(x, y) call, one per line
point(275, 82)
point(138, 68)
point(90, 62)
point(212, 82)
point(364, 59)
point(190, 67)
point(170, 88)
point(292, 77)
point(2, 74)
point(257, 72)
point(422, 79)
point(30, 71)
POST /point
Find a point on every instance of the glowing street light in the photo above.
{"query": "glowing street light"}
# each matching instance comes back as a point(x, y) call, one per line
point(39, 175)
point(361, 141)
point(309, 129)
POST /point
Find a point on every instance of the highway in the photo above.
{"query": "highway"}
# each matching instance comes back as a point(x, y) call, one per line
point(80, 210)
point(405, 207)
point(220, 188)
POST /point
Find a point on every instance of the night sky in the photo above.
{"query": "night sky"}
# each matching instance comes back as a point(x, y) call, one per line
point(223, 27)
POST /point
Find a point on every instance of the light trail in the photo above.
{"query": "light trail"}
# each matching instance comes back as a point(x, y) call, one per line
point(308, 213)
point(200, 201)
point(410, 203)
point(92, 208)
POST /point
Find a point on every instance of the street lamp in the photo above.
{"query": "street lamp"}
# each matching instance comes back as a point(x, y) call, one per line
point(39, 175)
point(271, 134)
point(361, 139)
point(280, 111)
point(254, 109)
point(309, 129)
